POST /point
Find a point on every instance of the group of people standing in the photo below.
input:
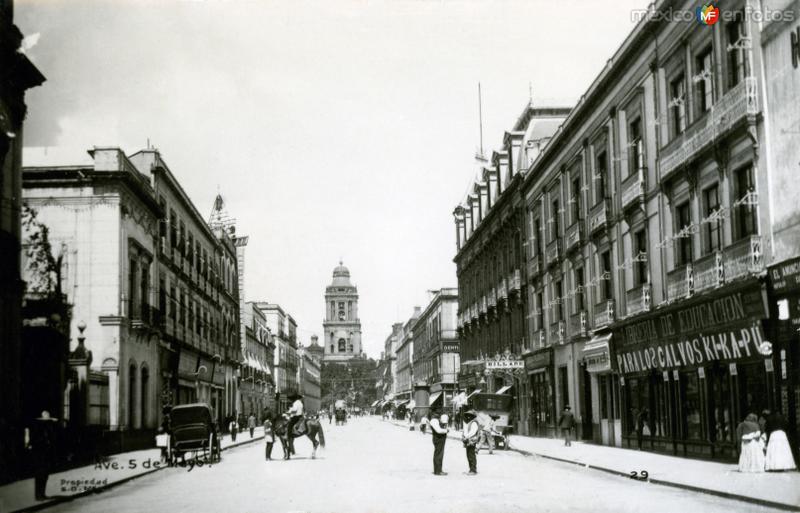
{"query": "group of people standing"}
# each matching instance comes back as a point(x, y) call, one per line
point(763, 445)
point(470, 438)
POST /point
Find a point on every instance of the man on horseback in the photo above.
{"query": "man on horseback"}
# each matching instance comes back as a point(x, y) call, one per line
point(295, 414)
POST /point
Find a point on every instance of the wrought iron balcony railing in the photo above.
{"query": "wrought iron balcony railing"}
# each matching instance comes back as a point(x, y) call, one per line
point(553, 252)
point(599, 216)
point(743, 258)
point(633, 189)
point(604, 313)
point(573, 236)
point(708, 272)
point(638, 299)
point(680, 283)
point(578, 324)
point(558, 332)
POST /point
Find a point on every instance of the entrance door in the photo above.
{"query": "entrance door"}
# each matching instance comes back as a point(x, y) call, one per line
point(586, 408)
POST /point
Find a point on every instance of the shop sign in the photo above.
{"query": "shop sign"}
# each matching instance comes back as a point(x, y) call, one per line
point(724, 329)
point(538, 360)
point(785, 277)
point(504, 364)
point(598, 361)
point(450, 347)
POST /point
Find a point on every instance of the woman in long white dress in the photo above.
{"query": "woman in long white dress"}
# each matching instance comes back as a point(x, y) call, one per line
point(779, 453)
point(751, 455)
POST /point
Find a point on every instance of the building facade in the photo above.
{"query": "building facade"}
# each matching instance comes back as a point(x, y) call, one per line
point(256, 386)
point(649, 219)
point(492, 274)
point(310, 378)
point(197, 297)
point(284, 334)
point(404, 361)
point(436, 347)
point(341, 327)
point(19, 76)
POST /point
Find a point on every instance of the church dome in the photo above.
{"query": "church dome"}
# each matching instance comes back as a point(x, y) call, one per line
point(341, 276)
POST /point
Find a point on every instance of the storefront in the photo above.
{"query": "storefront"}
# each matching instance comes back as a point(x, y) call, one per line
point(539, 368)
point(784, 301)
point(603, 390)
point(690, 373)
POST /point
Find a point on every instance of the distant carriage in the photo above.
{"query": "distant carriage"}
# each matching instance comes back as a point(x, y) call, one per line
point(498, 407)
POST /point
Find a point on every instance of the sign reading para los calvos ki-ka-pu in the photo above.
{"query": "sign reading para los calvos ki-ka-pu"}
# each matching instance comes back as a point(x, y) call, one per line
point(724, 329)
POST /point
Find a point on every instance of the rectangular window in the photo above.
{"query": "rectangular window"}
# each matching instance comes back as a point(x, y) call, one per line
point(563, 381)
point(132, 290)
point(636, 152)
point(190, 250)
point(640, 252)
point(554, 221)
point(713, 230)
point(737, 62)
point(745, 193)
point(601, 176)
point(173, 229)
point(576, 199)
point(539, 311)
point(677, 89)
point(182, 239)
point(580, 302)
point(690, 393)
point(557, 296)
point(684, 218)
point(704, 80)
point(182, 309)
point(538, 237)
point(605, 275)
point(162, 297)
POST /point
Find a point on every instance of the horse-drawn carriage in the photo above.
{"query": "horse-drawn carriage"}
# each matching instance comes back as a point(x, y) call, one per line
point(194, 431)
point(494, 409)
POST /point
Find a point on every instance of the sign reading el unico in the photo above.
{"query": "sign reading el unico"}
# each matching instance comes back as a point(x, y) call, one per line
point(727, 328)
point(785, 277)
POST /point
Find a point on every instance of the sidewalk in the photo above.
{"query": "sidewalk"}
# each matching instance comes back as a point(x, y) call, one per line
point(777, 490)
point(76, 482)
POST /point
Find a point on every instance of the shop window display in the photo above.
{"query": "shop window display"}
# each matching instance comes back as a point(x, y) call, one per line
point(719, 388)
point(690, 388)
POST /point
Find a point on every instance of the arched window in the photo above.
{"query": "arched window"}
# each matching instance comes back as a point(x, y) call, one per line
point(131, 394)
point(145, 382)
point(342, 345)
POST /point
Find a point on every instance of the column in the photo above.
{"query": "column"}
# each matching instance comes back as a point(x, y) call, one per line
point(113, 396)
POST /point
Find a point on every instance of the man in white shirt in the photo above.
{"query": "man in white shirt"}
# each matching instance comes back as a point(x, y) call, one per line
point(470, 437)
point(295, 415)
point(439, 431)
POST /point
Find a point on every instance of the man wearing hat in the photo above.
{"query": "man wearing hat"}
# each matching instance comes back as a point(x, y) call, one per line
point(295, 415)
point(439, 431)
point(566, 422)
point(470, 437)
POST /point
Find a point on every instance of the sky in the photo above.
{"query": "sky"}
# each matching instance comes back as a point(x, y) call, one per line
point(333, 129)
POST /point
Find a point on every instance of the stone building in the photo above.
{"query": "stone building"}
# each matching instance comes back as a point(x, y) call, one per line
point(436, 347)
point(309, 377)
point(490, 259)
point(17, 76)
point(341, 327)
point(649, 222)
point(404, 355)
point(256, 386)
point(284, 334)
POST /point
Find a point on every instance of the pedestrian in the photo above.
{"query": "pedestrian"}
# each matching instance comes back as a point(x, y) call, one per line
point(566, 422)
point(251, 424)
point(470, 438)
point(439, 431)
point(779, 454)
point(424, 422)
point(751, 448)
point(486, 423)
point(269, 438)
point(233, 427)
point(41, 442)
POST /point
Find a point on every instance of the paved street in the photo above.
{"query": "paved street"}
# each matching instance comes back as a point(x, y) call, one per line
point(370, 466)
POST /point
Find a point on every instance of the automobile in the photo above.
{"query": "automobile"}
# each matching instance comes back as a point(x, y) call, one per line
point(195, 431)
point(498, 408)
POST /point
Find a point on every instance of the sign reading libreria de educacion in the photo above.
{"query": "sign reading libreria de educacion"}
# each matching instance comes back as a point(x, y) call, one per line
point(724, 329)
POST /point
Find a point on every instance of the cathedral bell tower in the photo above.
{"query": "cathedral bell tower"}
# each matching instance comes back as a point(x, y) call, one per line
point(341, 327)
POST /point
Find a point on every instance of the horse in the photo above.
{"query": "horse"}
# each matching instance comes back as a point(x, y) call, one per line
point(314, 428)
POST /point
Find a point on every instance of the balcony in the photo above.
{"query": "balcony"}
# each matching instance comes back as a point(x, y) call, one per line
point(599, 216)
point(638, 299)
point(502, 291)
point(558, 332)
point(514, 281)
point(578, 324)
point(573, 236)
point(737, 104)
point(552, 253)
point(491, 298)
point(143, 315)
point(536, 342)
point(473, 312)
point(743, 258)
point(680, 283)
point(633, 189)
point(534, 266)
point(482, 305)
point(604, 313)
point(708, 272)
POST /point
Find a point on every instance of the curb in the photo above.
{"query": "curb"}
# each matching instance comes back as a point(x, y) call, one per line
point(100, 489)
point(697, 489)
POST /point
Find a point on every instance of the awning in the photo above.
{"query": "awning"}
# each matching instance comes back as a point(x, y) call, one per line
point(476, 391)
point(401, 403)
point(435, 397)
point(375, 403)
point(596, 353)
point(504, 389)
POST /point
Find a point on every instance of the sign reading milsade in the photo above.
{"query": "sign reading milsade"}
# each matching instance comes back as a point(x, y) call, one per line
point(726, 328)
point(505, 364)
